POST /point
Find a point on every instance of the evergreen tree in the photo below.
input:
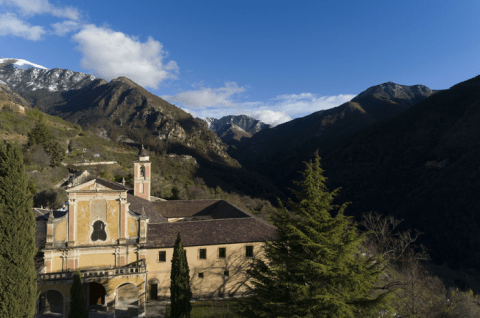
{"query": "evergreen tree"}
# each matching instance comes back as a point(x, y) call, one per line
point(56, 152)
point(18, 277)
point(315, 267)
point(39, 134)
point(180, 293)
point(78, 305)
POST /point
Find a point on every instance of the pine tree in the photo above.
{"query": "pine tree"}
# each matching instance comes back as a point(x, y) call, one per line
point(180, 293)
point(78, 305)
point(315, 267)
point(18, 277)
point(39, 134)
point(56, 152)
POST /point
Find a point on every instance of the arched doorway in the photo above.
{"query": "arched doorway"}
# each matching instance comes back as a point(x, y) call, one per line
point(95, 295)
point(126, 301)
point(51, 304)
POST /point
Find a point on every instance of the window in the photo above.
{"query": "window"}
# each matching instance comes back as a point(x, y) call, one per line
point(142, 172)
point(200, 275)
point(141, 188)
point(202, 253)
point(222, 252)
point(162, 256)
point(226, 273)
point(249, 251)
point(99, 231)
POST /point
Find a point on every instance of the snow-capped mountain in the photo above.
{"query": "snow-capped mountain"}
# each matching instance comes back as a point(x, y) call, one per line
point(21, 64)
point(27, 77)
point(243, 122)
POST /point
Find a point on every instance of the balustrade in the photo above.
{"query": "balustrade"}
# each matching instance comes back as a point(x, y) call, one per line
point(128, 270)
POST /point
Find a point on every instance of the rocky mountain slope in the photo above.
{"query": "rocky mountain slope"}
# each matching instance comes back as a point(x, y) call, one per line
point(235, 129)
point(232, 135)
point(244, 122)
point(420, 166)
point(278, 152)
point(117, 110)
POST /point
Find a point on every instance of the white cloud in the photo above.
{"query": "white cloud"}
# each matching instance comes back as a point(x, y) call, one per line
point(62, 28)
point(11, 25)
point(271, 117)
point(208, 97)
point(111, 54)
point(218, 102)
point(33, 7)
point(306, 103)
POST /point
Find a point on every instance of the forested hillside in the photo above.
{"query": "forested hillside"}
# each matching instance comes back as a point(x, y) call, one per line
point(421, 166)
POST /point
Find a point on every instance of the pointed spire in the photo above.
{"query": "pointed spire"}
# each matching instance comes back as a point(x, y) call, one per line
point(143, 152)
point(50, 216)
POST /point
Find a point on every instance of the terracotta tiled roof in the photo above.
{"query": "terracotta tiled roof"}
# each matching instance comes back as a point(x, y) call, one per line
point(112, 185)
point(210, 232)
point(225, 210)
point(218, 209)
point(136, 205)
point(176, 209)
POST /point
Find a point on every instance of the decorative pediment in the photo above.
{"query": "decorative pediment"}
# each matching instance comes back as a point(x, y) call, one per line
point(92, 186)
point(97, 186)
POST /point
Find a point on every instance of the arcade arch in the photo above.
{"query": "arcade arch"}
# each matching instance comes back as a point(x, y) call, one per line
point(51, 303)
point(126, 300)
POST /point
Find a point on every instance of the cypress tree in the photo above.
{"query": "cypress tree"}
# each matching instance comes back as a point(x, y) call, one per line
point(180, 293)
point(78, 305)
point(315, 267)
point(18, 277)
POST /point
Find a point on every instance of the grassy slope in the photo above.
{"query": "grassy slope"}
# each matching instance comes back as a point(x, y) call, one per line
point(191, 179)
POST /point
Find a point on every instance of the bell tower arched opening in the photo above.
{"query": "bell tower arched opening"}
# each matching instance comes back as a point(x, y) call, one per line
point(142, 175)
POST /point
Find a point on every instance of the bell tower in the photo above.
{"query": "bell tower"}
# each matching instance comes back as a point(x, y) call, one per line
point(142, 175)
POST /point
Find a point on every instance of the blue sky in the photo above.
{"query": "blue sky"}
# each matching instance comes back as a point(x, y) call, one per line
point(273, 60)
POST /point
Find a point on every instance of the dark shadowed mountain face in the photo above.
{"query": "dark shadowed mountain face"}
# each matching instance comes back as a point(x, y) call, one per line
point(278, 152)
point(420, 166)
point(117, 110)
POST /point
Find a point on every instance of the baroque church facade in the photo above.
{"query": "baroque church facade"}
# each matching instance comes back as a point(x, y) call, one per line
point(122, 242)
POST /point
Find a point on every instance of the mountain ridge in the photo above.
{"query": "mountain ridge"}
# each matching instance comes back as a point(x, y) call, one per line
point(420, 166)
point(118, 110)
point(284, 147)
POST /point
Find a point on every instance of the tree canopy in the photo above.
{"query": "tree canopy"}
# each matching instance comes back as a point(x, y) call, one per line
point(180, 292)
point(78, 304)
point(316, 267)
point(40, 134)
point(18, 277)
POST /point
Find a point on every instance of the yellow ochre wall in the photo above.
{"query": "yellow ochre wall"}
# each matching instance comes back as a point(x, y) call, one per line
point(214, 281)
point(113, 212)
point(104, 260)
point(61, 231)
point(83, 220)
point(84, 223)
point(132, 227)
point(57, 264)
